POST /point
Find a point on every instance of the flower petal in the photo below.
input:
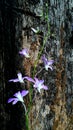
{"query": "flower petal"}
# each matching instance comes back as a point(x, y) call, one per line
point(50, 67)
point(41, 81)
point(50, 62)
point(19, 75)
point(45, 87)
point(20, 78)
point(44, 59)
point(14, 80)
point(16, 94)
point(15, 101)
point(29, 79)
point(11, 99)
point(24, 92)
point(25, 52)
point(19, 96)
point(37, 81)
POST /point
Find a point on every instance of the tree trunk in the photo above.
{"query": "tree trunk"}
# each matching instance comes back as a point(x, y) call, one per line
point(52, 109)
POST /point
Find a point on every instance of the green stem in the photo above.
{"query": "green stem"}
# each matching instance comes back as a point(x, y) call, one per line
point(27, 122)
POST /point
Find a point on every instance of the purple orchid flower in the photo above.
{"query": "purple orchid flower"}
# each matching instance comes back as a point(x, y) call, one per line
point(38, 84)
point(19, 79)
point(18, 97)
point(47, 63)
point(24, 52)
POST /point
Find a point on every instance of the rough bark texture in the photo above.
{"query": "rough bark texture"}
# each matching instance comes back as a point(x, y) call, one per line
point(53, 109)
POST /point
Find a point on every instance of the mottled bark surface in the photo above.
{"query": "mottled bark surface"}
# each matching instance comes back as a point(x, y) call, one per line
point(52, 109)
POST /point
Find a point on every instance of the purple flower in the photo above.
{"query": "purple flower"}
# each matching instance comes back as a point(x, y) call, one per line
point(38, 84)
point(18, 97)
point(19, 79)
point(24, 52)
point(47, 63)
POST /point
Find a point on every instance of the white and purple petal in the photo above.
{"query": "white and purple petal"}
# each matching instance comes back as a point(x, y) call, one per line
point(19, 96)
point(14, 80)
point(44, 59)
point(20, 78)
point(41, 81)
point(25, 52)
point(50, 62)
point(16, 94)
point(15, 101)
point(44, 87)
point(24, 92)
point(36, 79)
point(29, 79)
point(19, 75)
point(10, 100)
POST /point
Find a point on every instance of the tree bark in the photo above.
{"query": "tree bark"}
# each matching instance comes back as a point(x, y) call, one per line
point(50, 110)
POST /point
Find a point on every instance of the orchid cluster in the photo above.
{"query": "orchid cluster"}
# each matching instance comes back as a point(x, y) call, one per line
point(37, 84)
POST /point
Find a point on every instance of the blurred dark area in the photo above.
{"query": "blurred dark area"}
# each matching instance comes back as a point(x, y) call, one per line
point(71, 40)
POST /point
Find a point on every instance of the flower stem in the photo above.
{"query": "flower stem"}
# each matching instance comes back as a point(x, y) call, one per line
point(24, 107)
point(27, 122)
